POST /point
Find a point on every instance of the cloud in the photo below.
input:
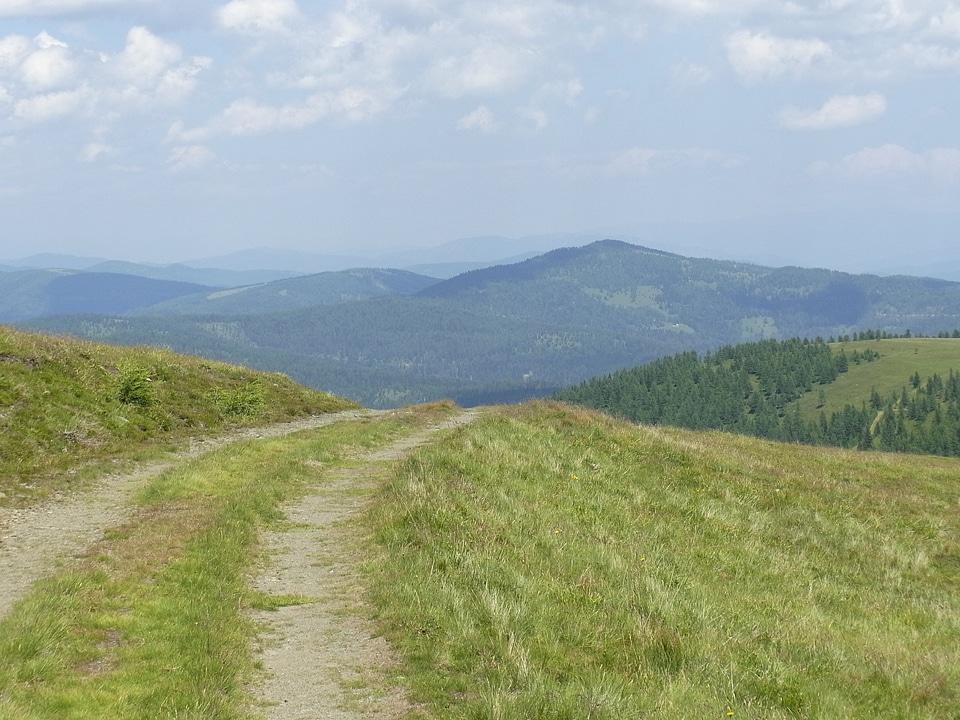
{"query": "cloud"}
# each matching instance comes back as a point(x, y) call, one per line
point(481, 120)
point(49, 66)
point(892, 161)
point(686, 75)
point(48, 106)
point(93, 151)
point(838, 111)
point(489, 68)
point(189, 157)
point(45, 78)
point(643, 160)
point(758, 56)
point(246, 117)
point(257, 16)
point(534, 116)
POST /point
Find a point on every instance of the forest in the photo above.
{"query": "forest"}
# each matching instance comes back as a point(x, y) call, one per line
point(753, 389)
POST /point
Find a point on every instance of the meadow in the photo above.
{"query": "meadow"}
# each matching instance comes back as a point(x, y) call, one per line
point(555, 563)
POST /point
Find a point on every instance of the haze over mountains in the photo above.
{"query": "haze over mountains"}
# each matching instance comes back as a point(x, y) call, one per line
point(515, 330)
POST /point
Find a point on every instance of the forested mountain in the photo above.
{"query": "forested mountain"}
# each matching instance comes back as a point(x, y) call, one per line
point(547, 322)
point(756, 389)
point(34, 293)
point(326, 288)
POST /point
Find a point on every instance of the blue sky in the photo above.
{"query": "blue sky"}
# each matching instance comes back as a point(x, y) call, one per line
point(167, 130)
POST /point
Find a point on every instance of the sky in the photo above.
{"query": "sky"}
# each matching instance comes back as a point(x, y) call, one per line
point(810, 131)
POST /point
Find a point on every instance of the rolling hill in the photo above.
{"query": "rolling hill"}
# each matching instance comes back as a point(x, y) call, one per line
point(326, 288)
point(528, 328)
point(35, 293)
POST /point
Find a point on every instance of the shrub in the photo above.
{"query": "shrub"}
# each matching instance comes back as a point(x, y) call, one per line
point(136, 388)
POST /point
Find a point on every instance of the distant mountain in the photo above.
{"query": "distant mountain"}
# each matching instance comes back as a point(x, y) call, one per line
point(179, 272)
point(300, 292)
point(474, 251)
point(35, 293)
point(53, 260)
point(550, 321)
point(265, 258)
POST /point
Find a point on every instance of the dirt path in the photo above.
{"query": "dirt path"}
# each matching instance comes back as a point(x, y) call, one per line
point(34, 540)
point(320, 658)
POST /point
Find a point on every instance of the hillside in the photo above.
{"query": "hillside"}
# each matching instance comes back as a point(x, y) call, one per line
point(892, 394)
point(531, 327)
point(551, 562)
point(326, 288)
point(64, 403)
point(534, 561)
point(29, 294)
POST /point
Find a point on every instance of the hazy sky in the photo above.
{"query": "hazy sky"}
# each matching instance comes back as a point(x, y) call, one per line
point(173, 129)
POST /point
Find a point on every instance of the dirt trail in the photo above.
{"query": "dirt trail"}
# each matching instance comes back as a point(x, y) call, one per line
point(321, 659)
point(34, 540)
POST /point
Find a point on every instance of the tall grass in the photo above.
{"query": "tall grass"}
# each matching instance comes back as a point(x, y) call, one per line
point(554, 563)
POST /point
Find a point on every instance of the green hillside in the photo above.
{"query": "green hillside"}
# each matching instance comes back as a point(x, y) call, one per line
point(547, 562)
point(892, 394)
point(550, 321)
point(899, 359)
point(67, 403)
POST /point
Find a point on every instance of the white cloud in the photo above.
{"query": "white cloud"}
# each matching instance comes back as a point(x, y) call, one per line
point(643, 160)
point(489, 68)
point(40, 108)
point(686, 75)
point(49, 66)
point(93, 151)
point(145, 57)
point(891, 161)
point(757, 56)
point(257, 16)
point(14, 49)
point(838, 111)
point(189, 157)
point(534, 116)
point(481, 120)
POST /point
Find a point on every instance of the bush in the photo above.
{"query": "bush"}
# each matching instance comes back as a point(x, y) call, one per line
point(244, 401)
point(136, 388)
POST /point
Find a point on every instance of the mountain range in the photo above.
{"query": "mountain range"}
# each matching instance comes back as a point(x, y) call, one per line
point(517, 330)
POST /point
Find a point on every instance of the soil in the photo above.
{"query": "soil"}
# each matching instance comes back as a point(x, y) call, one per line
point(321, 658)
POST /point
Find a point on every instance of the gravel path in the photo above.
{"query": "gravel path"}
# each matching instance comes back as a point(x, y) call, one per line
point(321, 660)
point(34, 540)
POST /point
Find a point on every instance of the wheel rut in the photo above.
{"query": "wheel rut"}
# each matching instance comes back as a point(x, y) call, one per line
point(321, 659)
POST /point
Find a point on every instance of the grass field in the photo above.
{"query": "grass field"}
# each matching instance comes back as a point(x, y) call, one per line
point(901, 358)
point(553, 563)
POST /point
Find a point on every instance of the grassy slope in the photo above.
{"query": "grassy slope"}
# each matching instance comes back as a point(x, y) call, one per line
point(901, 358)
point(554, 563)
point(60, 405)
